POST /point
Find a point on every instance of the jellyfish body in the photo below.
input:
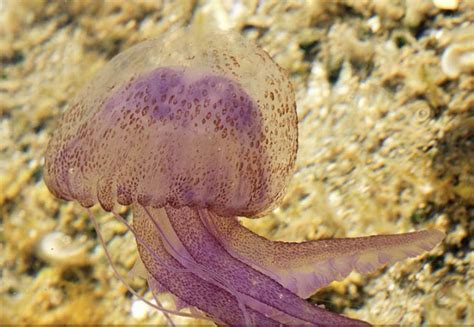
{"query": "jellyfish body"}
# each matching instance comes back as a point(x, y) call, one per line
point(192, 131)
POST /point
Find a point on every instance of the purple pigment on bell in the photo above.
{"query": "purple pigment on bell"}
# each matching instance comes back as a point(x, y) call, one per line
point(191, 131)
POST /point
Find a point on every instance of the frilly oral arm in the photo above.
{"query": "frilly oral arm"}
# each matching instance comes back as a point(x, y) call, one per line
point(305, 267)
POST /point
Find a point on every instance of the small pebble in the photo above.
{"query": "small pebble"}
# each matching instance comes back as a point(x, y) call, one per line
point(446, 4)
point(140, 310)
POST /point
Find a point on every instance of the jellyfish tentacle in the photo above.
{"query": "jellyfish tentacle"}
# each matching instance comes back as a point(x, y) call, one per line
point(184, 283)
point(147, 246)
point(259, 291)
point(158, 305)
point(148, 250)
point(158, 259)
point(155, 297)
point(158, 288)
point(307, 266)
point(174, 247)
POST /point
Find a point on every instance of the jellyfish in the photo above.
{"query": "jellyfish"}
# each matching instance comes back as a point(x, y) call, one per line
point(192, 130)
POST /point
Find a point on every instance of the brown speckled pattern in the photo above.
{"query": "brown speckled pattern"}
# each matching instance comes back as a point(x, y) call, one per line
point(195, 116)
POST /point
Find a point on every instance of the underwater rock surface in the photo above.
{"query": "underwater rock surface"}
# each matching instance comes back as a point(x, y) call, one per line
point(385, 142)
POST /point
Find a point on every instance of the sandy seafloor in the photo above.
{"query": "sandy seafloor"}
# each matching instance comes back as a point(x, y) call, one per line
point(386, 146)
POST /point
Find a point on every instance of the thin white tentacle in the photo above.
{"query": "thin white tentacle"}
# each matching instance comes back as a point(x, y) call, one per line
point(157, 306)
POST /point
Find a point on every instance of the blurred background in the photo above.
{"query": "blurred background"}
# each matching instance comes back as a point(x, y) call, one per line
point(386, 125)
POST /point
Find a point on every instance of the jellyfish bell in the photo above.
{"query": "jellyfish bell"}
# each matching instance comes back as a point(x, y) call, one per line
point(184, 120)
point(192, 130)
